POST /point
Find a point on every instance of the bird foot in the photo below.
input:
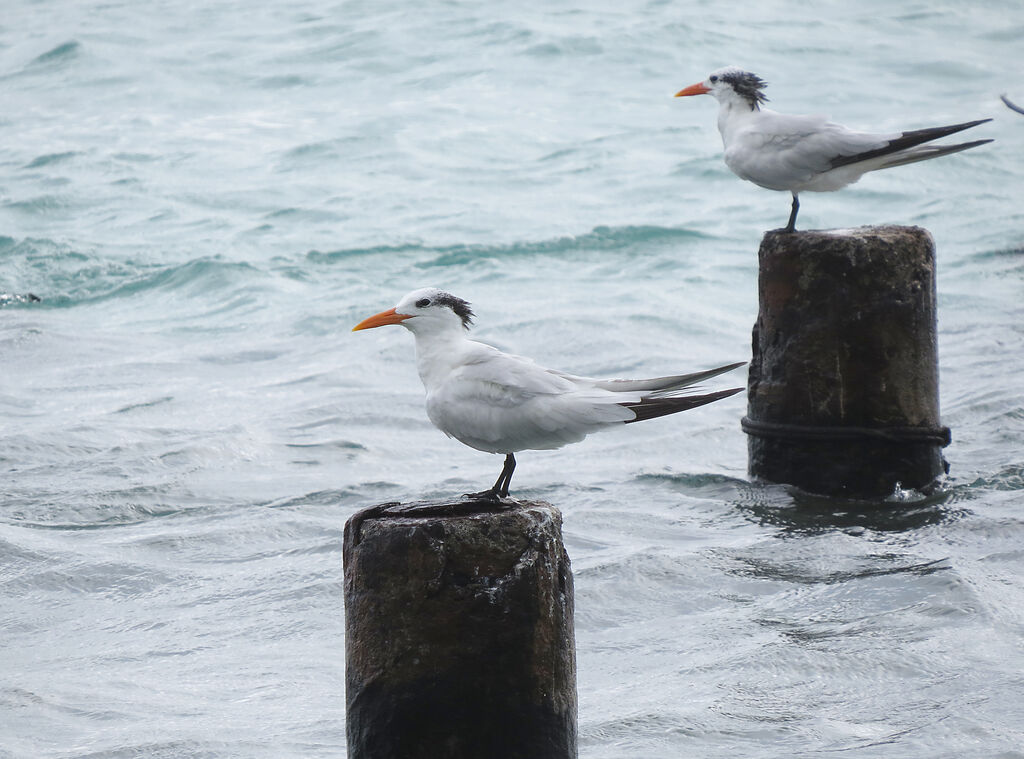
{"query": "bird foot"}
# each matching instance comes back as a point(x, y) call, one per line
point(491, 496)
point(472, 503)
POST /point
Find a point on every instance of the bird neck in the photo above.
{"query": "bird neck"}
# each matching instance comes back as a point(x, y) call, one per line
point(733, 114)
point(437, 355)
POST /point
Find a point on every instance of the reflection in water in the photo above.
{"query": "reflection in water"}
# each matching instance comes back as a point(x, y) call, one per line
point(795, 511)
point(804, 572)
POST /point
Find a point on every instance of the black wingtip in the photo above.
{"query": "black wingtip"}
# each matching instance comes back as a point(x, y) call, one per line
point(969, 124)
point(651, 408)
point(910, 140)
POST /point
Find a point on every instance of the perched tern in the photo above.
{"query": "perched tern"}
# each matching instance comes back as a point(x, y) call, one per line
point(796, 153)
point(501, 403)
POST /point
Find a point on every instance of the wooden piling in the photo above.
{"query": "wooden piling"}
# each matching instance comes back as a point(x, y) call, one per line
point(843, 384)
point(459, 633)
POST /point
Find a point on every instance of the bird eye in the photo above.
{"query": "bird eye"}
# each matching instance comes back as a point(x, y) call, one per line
point(423, 303)
point(714, 78)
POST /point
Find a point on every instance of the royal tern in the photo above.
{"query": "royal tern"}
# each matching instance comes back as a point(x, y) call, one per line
point(796, 153)
point(501, 403)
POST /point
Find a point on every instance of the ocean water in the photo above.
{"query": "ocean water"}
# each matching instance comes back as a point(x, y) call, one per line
point(206, 196)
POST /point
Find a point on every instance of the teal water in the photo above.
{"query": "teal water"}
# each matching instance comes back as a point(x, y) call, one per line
point(205, 197)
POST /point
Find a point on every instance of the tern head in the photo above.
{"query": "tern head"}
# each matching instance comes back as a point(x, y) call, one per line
point(424, 310)
point(730, 85)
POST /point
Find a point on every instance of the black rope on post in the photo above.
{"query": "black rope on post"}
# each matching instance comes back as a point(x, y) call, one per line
point(931, 435)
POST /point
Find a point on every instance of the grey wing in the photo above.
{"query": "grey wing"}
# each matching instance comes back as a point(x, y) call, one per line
point(503, 403)
point(664, 384)
point(784, 150)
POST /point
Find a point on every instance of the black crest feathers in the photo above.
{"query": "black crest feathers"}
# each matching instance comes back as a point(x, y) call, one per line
point(458, 305)
point(748, 86)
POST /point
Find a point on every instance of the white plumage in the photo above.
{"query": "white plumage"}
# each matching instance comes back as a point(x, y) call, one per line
point(503, 403)
point(796, 153)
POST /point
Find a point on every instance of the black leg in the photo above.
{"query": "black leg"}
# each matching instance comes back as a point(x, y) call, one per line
point(791, 227)
point(500, 487)
point(505, 478)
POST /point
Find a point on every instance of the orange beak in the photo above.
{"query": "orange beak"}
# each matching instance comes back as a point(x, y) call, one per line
point(379, 320)
point(693, 89)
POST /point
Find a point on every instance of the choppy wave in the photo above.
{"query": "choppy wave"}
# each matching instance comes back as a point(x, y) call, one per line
point(61, 276)
point(50, 159)
point(59, 54)
point(618, 239)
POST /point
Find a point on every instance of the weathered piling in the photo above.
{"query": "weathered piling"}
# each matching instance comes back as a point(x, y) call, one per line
point(459, 633)
point(843, 385)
